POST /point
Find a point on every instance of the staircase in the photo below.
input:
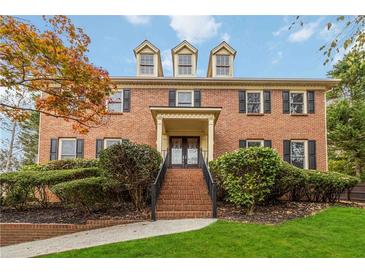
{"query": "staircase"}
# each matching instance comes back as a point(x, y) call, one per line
point(184, 194)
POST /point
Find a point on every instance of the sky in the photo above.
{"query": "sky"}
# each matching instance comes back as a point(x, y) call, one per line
point(265, 47)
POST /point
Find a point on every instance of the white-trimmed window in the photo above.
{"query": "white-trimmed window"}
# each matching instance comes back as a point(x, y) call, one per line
point(146, 65)
point(67, 148)
point(254, 143)
point(222, 65)
point(298, 153)
point(109, 142)
point(115, 102)
point(185, 98)
point(254, 100)
point(185, 64)
point(298, 102)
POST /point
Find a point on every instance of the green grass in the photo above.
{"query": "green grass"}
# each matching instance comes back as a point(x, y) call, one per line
point(335, 232)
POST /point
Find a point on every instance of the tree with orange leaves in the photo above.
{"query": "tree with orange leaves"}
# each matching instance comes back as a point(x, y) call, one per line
point(51, 67)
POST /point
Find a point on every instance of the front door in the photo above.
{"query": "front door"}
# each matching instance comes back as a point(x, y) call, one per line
point(184, 151)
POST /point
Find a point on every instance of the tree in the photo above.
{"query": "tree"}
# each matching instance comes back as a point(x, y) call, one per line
point(53, 62)
point(350, 34)
point(28, 138)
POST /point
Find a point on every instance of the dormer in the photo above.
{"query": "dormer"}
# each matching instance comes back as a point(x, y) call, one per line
point(184, 59)
point(148, 60)
point(221, 61)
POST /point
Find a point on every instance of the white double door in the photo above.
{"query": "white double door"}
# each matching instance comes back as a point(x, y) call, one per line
point(184, 151)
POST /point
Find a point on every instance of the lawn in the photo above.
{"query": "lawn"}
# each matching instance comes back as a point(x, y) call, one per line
point(335, 232)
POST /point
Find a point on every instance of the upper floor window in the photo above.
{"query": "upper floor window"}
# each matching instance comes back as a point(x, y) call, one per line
point(185, 64)
point(110, 142)
point(67, 148)
point(297, 102)
point(254, 102)
point(115, 102)
point(146, 64)
point(184, 98)
point(222, 65)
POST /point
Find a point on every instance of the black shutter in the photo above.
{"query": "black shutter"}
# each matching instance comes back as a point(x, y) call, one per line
point(197, 98)
point(310, 99)
point(172, 98)
point(312, 154)
point(99, 147)
point(54, 149)
point(267, 143)
point(267, 101)
point(286, 103)
point(242, 144)
point(126, 100)
point(80, 148)
point(242, 101)
point(286, 154)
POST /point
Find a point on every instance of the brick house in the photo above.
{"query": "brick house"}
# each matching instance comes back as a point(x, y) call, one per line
point(183, 114)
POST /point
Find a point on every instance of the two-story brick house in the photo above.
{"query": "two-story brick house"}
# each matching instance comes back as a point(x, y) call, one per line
point(216, 113)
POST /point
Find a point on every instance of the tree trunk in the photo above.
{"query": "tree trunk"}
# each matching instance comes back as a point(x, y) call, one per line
point(11, 147)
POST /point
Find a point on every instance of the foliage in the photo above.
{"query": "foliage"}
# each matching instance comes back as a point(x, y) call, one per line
point(133, 166)
point(28, 138)
point(88, 193)
point(62, 164)
point(20, 187)
point(52, 61)
point(247, 175)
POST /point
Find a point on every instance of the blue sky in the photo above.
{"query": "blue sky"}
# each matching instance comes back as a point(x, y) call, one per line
point(265, 47)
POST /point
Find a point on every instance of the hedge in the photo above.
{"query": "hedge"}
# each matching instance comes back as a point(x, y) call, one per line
point(20, 187)
point(62, 164)
point(88, 193)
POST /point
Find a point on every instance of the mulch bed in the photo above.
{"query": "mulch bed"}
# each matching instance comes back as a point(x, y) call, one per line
point(271, 214)
point(57, 214)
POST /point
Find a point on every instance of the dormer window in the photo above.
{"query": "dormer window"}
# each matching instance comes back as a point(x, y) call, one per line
point(146, 64)
point(222, 62)
point(185, 64)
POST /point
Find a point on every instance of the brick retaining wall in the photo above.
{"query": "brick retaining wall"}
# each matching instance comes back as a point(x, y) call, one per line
point(14, 233)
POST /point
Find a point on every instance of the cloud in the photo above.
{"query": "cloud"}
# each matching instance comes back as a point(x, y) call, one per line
point(138, 19)
point(195, 29)
point(280, 30)
point(166, 60)
point(226, 37)
point(277, 58)
point(329, 34)
point(304, 33)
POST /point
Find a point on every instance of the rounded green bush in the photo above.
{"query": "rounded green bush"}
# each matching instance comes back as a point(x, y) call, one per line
point(133, 166)
point(62, 164)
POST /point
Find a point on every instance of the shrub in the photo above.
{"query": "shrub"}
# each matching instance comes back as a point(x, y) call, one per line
point(61, 164)
point(133, 166)
point(88, 193)
point(247, 175)
point(19, 187)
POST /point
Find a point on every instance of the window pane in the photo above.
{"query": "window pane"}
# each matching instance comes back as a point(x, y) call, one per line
point(185, 59)
point(297, 154)
point(222, 70)
point(185, 99)
point(296, 102)
point(222, 60)
point(109, 143)
point(68, 148)
point(146, 69)
point(253, 144)
point(184, 70)
point(115, 102)
point(253, 102)
point(147, 59)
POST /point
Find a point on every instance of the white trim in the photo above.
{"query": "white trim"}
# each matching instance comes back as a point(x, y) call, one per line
point(185, 91)
point(304, 101)
point(306, 158)
point(261, 100)
point(249, 141)
point(60, 146)
point(122, 102)
point(111, 139)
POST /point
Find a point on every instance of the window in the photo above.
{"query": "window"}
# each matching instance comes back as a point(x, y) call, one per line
point(185, 64)
point(222, 65)
point(297, 154)
point(255, 143)
point(115, 102)
point(146, 64)
point(297, 103)
point(184, 99)
point(110, 142)
point(67, 149)
point(254, 102)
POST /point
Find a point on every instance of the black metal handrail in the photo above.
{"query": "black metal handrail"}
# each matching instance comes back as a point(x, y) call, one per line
point(157, 185)
point(212, 187)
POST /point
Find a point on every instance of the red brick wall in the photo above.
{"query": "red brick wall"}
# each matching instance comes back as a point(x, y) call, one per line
point(14, 233)
point(138, 125)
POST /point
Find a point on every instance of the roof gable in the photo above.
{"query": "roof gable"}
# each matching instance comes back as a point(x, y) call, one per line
point(145, 44)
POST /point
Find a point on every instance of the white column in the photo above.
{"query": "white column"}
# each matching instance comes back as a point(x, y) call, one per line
point(159, 134)
point(210, 138)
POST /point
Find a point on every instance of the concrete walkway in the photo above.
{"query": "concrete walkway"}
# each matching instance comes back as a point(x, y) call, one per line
point(113, 234)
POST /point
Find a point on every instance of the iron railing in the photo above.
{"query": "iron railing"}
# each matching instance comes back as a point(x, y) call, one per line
point(157, 185)
point(212, 187)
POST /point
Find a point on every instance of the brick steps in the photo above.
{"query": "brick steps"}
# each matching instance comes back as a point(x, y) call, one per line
point(184, 195)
